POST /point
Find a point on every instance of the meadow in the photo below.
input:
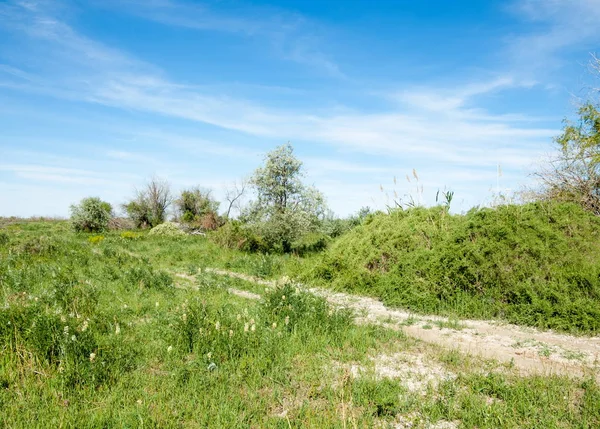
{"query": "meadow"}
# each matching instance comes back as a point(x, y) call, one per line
point(128, 329)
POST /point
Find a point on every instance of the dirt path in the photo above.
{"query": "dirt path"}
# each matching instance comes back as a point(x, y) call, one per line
point(528, 349)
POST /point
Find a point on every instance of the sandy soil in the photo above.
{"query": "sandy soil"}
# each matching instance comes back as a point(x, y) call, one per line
point(527, 349)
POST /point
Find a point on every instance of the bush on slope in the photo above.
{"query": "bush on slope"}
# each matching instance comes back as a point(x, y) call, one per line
point(536, 264)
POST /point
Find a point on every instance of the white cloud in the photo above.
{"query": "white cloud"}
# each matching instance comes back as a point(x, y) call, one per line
point(560, 24)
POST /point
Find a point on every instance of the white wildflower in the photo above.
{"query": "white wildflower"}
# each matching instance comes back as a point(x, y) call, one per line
point(156, 304)
point(246, 327)
point(117, 329)
point(92, 357)
point(73, 338)
point(287, 320)
point(169, 349)
point(274, 325)
point(217, 325)
point(230, 333)
point(253, 328)
point(209, 355)
point(239, 317)
point(66, 330)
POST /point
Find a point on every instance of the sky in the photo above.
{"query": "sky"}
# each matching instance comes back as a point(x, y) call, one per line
point(97, 96)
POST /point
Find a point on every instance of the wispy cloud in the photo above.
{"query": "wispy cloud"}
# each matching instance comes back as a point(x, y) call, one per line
point(560, 24)
point(461, 134)
point(288, 35)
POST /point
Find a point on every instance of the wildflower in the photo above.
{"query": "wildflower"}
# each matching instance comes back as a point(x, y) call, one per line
point(169, 349)
point(217, 325)
point(274, 325)
point(84, 326)
point(117, 329)
point(66, 330)
point(184, 317)
point(253, 328)
point(92, 357)
point(63, 319)
point(71, 315)
point(287, 320)
point(230, 333)
point(209, 355)
point(139, 402)
point(239, 317)
point(252, 322)
point(124, 305)
point(246, 327)
point(73, 338)
point(156, 304)
point(283, 298)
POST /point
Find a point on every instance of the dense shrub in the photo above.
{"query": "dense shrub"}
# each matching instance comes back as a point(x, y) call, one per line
point(235, 235)
point(537, 264)
point(91, 215)
point(167, 229)
point(310, 243)
point(197, 207)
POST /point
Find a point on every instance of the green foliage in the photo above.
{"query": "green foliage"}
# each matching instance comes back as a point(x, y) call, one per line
point(575, 176)
point(167, 229)
point(535, 264)
point(236, 235)
point(91, 215)
point(4, 238)
point(149, 206)
point(310, 243)
point(195, 206)
point(100, 337)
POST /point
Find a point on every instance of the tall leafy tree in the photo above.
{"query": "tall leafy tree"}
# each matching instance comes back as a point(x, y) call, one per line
point(285, 208)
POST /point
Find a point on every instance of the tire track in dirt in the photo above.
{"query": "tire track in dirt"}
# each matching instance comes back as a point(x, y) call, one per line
point(529, 350)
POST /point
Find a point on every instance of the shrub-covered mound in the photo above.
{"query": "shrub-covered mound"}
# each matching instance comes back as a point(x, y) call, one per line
point(536, 264)
point(167, 229)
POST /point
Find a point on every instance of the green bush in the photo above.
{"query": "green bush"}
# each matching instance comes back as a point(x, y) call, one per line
point(535, 264)
point(234, 235)
point(4, 238)
point(91, 215)
point(310, 243)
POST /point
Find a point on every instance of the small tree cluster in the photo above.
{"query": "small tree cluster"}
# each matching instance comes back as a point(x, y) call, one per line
point(91, 215)
point(149, 207)
point(197, 207)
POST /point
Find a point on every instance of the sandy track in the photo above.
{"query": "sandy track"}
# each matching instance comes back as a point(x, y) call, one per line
point(528, 349)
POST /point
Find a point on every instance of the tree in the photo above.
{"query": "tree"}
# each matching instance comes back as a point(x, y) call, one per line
point(91, 215)
point(196, 205)
point(285, 209)
point(574, 176)
point(149, 207)
point(234, 195)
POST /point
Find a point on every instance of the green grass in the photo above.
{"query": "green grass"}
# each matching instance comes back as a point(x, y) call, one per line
point(100, 333)
point(535, 264)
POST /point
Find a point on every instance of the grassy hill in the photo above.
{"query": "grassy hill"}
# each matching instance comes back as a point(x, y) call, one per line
point(536, 264)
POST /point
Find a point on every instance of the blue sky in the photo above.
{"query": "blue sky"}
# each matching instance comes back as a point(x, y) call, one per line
point(98, 95)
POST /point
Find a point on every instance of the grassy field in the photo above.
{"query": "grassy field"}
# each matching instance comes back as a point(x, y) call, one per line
point(99, 331)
